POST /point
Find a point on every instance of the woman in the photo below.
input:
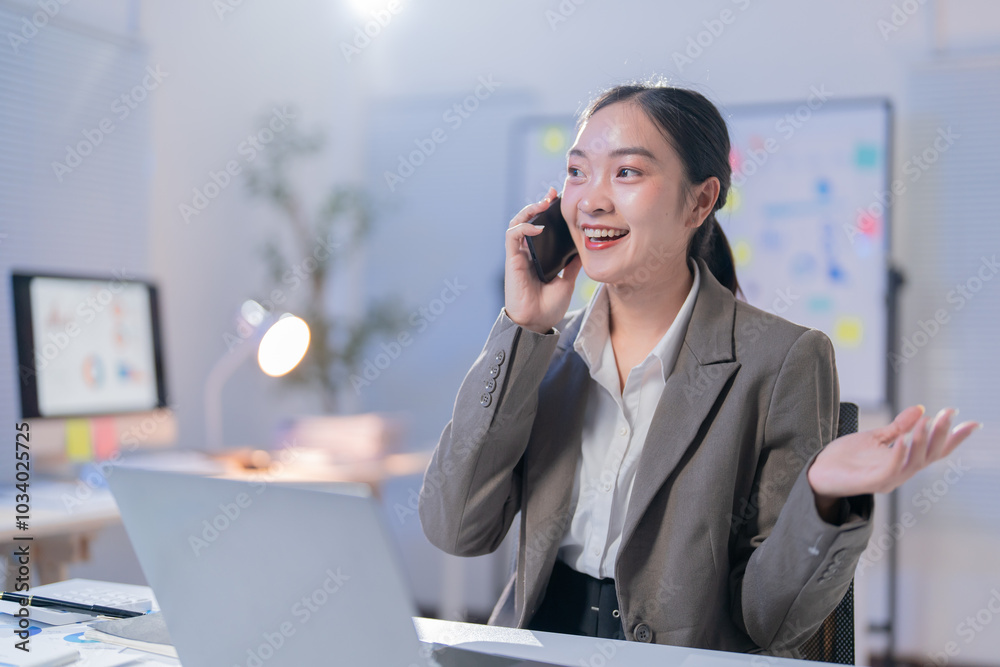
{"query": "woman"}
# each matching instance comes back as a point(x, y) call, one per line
point(664, 446)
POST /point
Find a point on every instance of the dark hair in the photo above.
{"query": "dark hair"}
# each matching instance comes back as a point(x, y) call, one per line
point(696, 130)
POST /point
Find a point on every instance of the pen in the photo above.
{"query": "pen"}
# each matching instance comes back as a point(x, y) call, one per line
point(63, 605)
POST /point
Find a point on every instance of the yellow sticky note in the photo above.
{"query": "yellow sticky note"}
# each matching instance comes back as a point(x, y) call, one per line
point(849, 331)
point(78, 440)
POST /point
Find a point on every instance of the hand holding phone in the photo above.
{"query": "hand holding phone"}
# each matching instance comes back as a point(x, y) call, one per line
point(529, 300)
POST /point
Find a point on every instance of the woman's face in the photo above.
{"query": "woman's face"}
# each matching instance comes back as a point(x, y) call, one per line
point(625, 199)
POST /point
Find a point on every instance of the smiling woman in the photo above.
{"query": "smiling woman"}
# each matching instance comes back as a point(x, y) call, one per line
point(629, 435)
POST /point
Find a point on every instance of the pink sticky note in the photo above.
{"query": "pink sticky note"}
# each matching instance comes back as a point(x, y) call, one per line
point(105, 438)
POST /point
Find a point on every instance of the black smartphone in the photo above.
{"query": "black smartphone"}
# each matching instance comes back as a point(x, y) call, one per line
point(553, 249)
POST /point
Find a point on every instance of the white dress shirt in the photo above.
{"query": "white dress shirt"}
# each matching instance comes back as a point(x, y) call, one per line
point(614, 430)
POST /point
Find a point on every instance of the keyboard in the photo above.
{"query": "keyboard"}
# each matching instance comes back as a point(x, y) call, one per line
point(85, 591)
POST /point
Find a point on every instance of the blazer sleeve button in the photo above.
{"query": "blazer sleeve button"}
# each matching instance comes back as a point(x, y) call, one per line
point(500, 356)
point(494, 371)
point(491, 385)
point(485, 400)
point(642, 633)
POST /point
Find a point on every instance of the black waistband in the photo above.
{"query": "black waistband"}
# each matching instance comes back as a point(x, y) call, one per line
point(578, 604)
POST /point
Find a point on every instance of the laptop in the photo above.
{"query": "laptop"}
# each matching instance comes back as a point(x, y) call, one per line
point(255, 574)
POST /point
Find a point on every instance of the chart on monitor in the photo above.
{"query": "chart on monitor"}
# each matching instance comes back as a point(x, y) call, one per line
point(87, 346)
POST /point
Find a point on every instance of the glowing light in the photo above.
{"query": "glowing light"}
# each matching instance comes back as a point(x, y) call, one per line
point(365, 8)
point(252, 312)
point(283, 346)
point(554, 140)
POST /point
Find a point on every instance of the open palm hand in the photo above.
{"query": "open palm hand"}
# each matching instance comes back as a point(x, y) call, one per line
point(880, 460)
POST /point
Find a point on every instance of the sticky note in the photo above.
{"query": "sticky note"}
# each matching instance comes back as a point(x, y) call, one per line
point(78, 440)
point(105, 438)
point(849, 331)
point(865, 156)
point(742, 253)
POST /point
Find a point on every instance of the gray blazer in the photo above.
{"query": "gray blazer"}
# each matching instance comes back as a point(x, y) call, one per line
point(722, 546)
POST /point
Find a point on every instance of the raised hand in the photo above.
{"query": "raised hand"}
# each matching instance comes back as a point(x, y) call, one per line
point(881, 459)
point(528, 301)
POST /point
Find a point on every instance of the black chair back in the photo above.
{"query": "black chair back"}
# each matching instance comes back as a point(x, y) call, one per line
point(834, 641)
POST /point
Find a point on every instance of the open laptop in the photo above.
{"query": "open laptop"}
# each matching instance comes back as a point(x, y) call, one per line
point(255, 574)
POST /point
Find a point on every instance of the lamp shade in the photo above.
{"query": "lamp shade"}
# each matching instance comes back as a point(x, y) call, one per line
point(283, 346)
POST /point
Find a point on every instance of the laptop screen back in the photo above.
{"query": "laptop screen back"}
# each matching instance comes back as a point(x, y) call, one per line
point(255, 574)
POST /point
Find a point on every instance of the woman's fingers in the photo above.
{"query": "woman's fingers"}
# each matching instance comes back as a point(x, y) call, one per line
point(958, 435)
point(897, 463)
point(902, 424)
point(531, 210)
point(519, 226)
point(918, 448)
point(516, 233)
point(932, 440)
point(939, 434)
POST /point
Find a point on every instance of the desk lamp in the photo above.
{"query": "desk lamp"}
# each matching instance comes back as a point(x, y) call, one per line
point(280, 343)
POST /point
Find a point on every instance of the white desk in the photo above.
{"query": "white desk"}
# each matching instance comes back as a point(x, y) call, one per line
point(573, 651)
point(65, 518)
point(567, 650)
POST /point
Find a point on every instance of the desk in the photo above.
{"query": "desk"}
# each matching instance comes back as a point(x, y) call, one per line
point(573, 651)
point(65, 517)
point(567, 650)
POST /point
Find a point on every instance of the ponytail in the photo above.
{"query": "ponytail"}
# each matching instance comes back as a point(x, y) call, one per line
point(709, 243)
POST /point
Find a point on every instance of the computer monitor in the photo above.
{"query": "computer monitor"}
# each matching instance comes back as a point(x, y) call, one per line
point(87, 345)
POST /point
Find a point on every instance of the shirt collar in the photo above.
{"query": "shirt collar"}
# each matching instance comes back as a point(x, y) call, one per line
point(593, 335)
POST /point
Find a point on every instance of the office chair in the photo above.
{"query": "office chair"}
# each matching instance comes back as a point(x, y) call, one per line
point(834, 641)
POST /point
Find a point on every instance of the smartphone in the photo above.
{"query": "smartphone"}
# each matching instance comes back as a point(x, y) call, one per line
point(553, 249)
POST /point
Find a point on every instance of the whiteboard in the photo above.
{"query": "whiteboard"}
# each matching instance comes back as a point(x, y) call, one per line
point(807, 218)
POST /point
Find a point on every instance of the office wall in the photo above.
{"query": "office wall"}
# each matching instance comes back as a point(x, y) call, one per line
point(224, 70)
